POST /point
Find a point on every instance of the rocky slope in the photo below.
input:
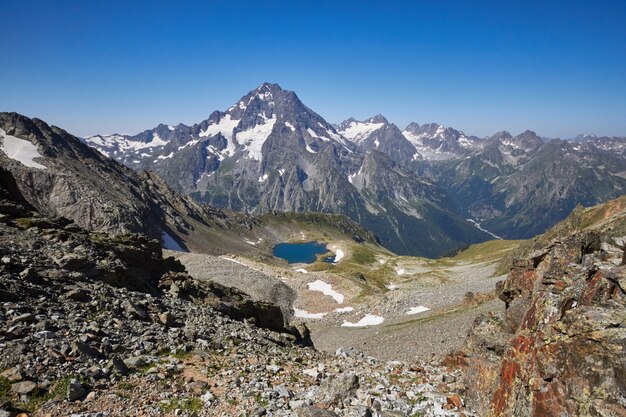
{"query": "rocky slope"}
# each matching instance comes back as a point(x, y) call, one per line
point(71, 180)
point(559, 348)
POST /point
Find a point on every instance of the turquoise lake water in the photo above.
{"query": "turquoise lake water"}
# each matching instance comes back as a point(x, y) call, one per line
point(305, 253)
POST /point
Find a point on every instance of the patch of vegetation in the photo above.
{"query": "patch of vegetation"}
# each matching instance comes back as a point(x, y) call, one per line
point(259, 400)
point(490, 251)
point(57, 391)
point(5, 388)
point(144, 368)
point(25, 222)
point(361, 255)
point(125, 386)
point(181, 354)
point(192, 405)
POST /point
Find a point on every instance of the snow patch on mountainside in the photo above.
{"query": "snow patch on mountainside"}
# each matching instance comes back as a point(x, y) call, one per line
point(358, 131)
point(436, 142)
point(400, 270)
point(339, 255)
point(225, 126)
point(254, 138)
point(303, 314)
point(335, 136)
point(367, 320)
point(20, 150)
point(107, 143)
point(326, 289)
point(417, 310)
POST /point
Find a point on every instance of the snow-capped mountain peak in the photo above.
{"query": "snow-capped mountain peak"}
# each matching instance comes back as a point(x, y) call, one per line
point(357, 131)
point(242, 129)
point(435, 141)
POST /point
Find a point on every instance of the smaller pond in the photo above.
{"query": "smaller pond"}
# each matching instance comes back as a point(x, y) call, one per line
point(295, 253)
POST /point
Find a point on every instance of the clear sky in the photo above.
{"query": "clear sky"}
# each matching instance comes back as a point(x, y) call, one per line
point(556, 67)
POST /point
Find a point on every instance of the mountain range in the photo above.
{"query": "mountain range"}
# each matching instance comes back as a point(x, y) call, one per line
point(425, 190)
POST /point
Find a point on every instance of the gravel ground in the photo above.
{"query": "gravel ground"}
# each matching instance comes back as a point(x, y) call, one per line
point(410, 340)
point(424, 336)
point(433, 333)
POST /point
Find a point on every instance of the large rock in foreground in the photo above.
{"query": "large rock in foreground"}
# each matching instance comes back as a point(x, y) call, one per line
point(560, 350)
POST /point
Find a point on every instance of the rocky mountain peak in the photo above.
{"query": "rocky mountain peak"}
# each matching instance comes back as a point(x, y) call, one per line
point(379, 118)
point(528, 140)
point(412, 127)
point(503, 135)
point(528, 134)
point(432, 127)
point(584, 137)
point(436, 142)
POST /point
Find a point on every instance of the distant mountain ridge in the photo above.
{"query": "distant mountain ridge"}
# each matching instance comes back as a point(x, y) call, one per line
point(414, 188)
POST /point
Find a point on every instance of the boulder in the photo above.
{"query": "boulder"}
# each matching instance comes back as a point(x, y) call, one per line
point(24, 387)
point(338, 389)
point(75, 390)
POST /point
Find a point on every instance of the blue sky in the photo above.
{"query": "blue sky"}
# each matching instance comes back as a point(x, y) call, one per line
point(556, 67)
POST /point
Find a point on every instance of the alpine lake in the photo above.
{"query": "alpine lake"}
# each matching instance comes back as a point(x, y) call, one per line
point(302, 253)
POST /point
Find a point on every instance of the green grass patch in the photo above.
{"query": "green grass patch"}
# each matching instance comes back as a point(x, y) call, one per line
point(192, 405)
point(25, 222)
point(125, 386)
point(362, 255)
point(5, 388)
point(57, 391)
point(490, 251)
point(181, 355)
